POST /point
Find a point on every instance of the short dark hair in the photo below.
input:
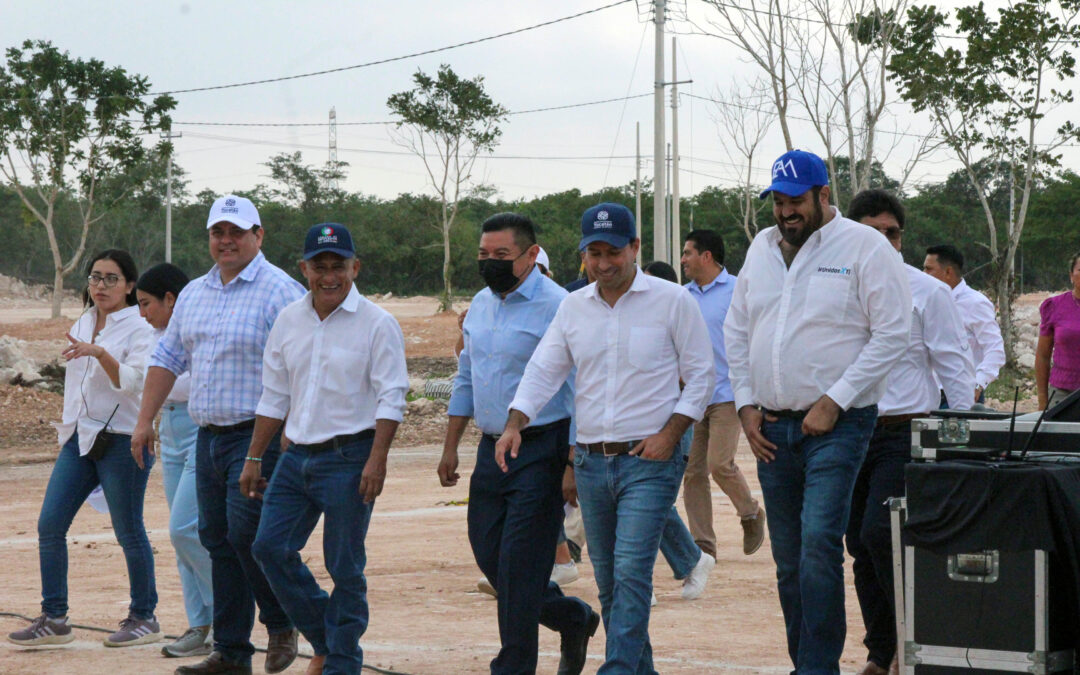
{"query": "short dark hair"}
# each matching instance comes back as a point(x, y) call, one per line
point(1072, 265)
point(162, 279)
point(661, 270)
point(127, 267)
point(521, 227)
point(708, 240)
point(874, 202)
point(948, 255)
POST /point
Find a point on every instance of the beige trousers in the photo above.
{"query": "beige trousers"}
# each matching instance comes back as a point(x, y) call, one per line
point(712, 452)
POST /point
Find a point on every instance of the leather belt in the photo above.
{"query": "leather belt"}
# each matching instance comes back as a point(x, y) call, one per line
point(337, 441)
point(610, 448)
point(786, 414)
point(532, 432)
point(229, 428)
point(889, 420)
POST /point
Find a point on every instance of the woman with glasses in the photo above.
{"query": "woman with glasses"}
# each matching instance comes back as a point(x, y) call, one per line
point(106, 365)
point(157, 290)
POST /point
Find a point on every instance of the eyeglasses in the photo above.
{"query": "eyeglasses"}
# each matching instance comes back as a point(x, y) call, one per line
point(110, 280)
point(892, 233)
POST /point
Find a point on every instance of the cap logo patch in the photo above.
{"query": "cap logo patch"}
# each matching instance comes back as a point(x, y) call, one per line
point(602, 215)
point(327, 231)
point(782, 168)
point(230, 202)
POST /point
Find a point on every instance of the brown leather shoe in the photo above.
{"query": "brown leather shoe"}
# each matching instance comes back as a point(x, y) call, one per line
point(280, 651)
point(215, 664)
point(753, 532)
point(872, 668)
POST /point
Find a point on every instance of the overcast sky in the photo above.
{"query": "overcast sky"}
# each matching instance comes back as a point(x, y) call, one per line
point(607, 54)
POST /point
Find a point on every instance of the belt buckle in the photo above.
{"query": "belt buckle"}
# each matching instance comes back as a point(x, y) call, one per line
point(603, 447)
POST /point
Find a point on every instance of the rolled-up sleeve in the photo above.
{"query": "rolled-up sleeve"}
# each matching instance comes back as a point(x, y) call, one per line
point(132, 365)
point(695, 354)
point(275, 400)
point(546, 371)
point(170, 352)
point(389, 374)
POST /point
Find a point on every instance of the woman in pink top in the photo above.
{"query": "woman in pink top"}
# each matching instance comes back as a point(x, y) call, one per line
point(1057, 356)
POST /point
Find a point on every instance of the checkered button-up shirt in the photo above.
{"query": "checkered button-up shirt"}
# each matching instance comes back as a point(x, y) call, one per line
point(218, 332)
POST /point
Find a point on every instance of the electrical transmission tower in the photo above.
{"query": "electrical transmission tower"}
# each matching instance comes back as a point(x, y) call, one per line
point(332, 181)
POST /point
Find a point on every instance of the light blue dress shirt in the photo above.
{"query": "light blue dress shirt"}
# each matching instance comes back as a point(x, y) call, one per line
point(714, 300)
point(500, 336)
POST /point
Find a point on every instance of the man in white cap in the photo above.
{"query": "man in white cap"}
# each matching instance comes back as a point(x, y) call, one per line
point(218, 331)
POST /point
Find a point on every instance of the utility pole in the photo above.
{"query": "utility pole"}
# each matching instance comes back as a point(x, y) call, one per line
point(168, 136)
point(332, 183)
point(676, 243)
point(660, 237)
point(637, 188)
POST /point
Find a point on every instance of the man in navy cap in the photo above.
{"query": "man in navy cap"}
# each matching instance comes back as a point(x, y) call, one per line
point(334, 366)
point(820, 314)
point(631, 336)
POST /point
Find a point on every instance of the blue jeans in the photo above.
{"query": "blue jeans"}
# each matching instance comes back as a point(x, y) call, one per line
point(178, 433)
point(625, 502)
point(306, 485)
point(124, 484)
point(676, 543)
point(807, 490)
point(228, 521)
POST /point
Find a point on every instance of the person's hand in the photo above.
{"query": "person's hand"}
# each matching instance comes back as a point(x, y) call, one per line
point(656, 448)
point(461, 319)
point(78, 349)
point(252, 483)
point(569, 486)
point(371, 481)
point(510, 441)
point(448, 465)
point(751, 419)
point(822, 417)
point(142, 439)
point(978, 393)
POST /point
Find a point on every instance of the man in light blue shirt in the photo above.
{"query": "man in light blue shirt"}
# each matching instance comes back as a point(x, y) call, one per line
point(514, 518)
point(716, 438)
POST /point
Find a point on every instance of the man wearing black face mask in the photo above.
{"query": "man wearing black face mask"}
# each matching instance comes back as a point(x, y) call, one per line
point(514, 517)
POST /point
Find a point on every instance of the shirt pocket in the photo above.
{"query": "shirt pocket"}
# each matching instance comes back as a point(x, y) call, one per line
point(346, 369)
point(646, 347)
point(827, 297)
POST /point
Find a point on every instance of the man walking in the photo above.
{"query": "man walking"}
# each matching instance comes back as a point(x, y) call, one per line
point(820, 314)
point(946, 263)
point(631, 337)
point(514, 518)
point(716, 437)
point(218, 331)
point(334, 366)
point(937, 346)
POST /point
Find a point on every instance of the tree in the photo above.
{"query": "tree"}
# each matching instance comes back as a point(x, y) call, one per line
point(447, 121)
point(68, 125)
point(989, 99)
point(303, 186)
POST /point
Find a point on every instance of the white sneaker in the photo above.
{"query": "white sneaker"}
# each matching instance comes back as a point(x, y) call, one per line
point(694, 585)
point(564, 573)
point(484, 586)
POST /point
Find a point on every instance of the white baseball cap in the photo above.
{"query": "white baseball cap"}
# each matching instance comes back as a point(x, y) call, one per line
point(542, 258)
point(236, 210)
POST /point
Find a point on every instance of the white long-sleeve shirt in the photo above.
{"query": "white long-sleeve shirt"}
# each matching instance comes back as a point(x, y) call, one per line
point(629, 360)
point(335, 376)
point(89, 394)
point(984, 335)
point(833, 323)
point(938, 346)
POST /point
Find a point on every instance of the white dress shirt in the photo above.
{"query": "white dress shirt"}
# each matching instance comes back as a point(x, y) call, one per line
point(984, 335)
point(629, 360)
point(89, 394)
point(833, 323)
point(938, 346)
point(335, 376)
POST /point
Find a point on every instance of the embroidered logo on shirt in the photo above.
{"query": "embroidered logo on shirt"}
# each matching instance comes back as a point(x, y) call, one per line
point(845, 271)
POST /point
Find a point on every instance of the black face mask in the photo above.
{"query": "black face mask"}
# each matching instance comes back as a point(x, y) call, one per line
point(498, 274)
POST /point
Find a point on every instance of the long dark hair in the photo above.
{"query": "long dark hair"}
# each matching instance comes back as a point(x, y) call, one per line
point(162, 279)
point(127, 267)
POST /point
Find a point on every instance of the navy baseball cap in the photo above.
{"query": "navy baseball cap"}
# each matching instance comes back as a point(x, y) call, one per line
point(608, 222)
point(796, 172)
point(328, 238)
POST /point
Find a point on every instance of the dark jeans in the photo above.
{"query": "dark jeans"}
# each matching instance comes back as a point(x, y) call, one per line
point(305, 486)
point(869, 536)
point(228, 521)
point(514, 521)
point(124, 484)
point(807, 490)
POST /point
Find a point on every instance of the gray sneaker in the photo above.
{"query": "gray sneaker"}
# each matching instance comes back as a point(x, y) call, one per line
point(135, 632)
point(194, 642)
point(44, 631)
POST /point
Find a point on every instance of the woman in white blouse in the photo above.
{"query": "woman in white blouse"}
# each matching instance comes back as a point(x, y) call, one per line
point(106, 365)
point(157, 290)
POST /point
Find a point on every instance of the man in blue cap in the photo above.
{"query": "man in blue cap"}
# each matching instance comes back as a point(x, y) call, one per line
point(631, 336)
point(820, 314)
point(334, 367)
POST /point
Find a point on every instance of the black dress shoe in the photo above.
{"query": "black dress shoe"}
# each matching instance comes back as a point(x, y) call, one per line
point(575, 646)
point(281, 651)
point(213, 664)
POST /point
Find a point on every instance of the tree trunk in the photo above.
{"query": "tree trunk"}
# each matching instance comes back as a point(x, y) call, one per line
point(444, 302)
point(58, 291)
point(1004, 303)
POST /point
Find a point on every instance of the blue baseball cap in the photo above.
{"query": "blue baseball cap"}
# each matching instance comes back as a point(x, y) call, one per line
point(796, 172)
point(328, 238)
point(608, 222)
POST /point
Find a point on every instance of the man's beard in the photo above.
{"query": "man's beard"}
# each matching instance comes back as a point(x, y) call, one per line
point(796, 238)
